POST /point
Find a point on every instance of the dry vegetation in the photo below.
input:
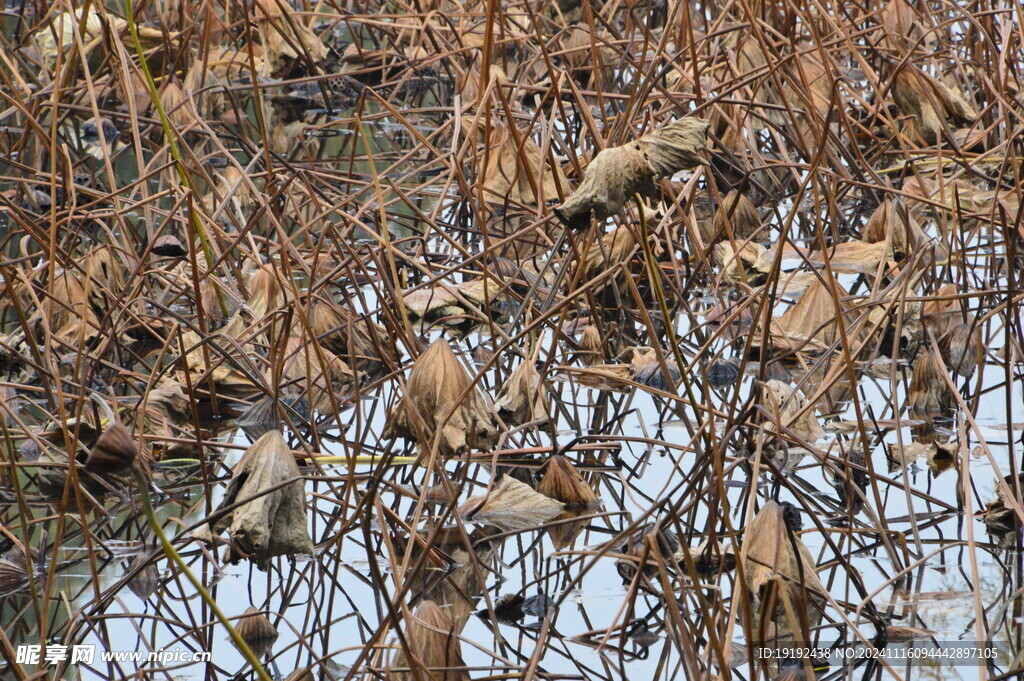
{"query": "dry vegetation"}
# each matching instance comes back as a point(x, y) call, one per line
point(388, 339)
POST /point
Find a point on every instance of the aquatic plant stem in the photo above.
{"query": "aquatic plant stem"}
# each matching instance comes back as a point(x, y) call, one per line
point(172, 146)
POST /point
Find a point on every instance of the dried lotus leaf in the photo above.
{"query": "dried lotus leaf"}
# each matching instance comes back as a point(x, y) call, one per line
point(617, 173)
point(271, 519)
point(511, 505)
point(562, 482)
point(431, 635)
point(523, 397)
point(433, 400)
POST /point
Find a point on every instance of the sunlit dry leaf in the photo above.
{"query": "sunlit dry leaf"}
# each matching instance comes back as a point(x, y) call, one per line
point(523, 397)
point(459, 308)
point(773, 557)
point(564, 483)
point(929, 392)
point(434, 400)
point(785, 406)
point(617, 173)
point(511, 505)
point(271, 520)
point(902, 23)
point(432, 638)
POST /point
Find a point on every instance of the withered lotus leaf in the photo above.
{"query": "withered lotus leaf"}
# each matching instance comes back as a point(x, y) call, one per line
point(257, 631)
point(736, 212)
point(523, 397)
point(962, 349)
point(113, 452)
point(511, 505)
point(564, 483)
point(271, 520)
point(433, 643)
point(929, 392)
point(785, 406)
point(434, 401)
point(773, 557)
point(750, 264)
point(617, 173)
